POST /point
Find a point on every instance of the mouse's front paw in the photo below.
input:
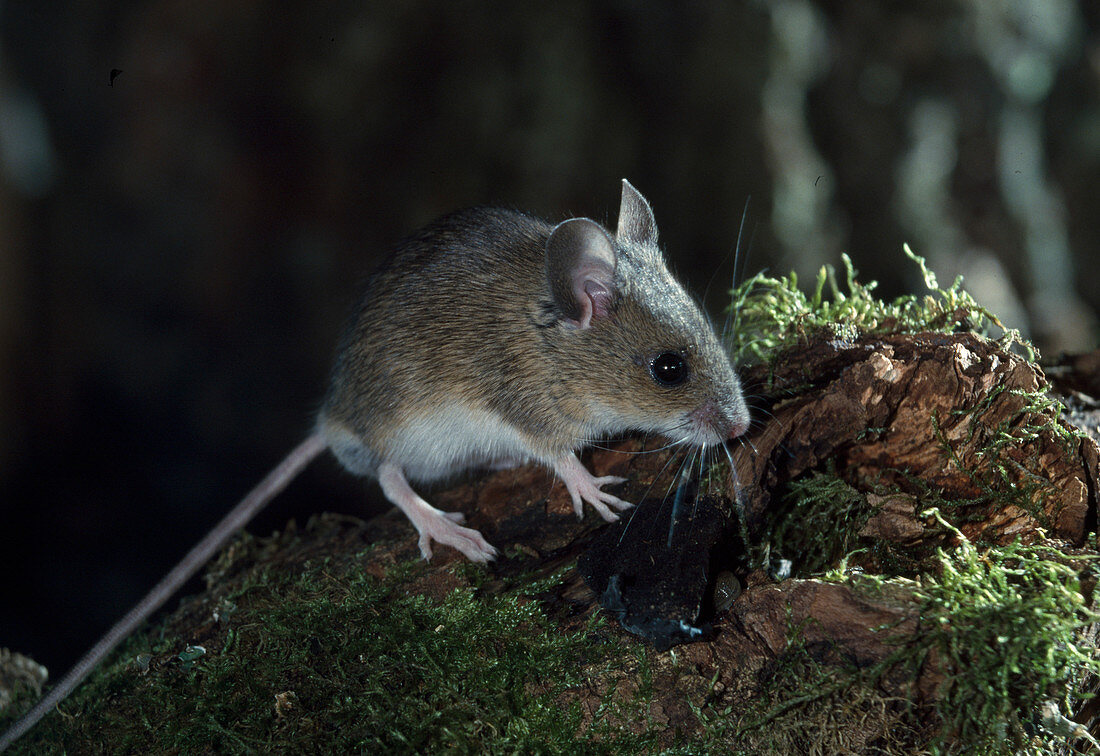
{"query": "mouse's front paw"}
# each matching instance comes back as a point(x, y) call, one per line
point(583, 486)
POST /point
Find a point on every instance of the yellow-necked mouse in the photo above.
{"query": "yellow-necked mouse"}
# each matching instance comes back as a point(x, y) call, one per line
point(491, 336)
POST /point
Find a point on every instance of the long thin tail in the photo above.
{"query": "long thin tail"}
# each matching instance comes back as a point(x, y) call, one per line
point(237, 518)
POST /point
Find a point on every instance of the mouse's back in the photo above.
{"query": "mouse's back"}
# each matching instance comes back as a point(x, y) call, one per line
point(491, 334)
point(445, 319)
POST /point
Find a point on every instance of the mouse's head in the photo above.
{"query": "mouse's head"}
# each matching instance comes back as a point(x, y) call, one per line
point(632, 341)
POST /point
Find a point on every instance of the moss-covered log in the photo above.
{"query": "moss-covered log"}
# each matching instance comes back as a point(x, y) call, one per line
point(932, 501)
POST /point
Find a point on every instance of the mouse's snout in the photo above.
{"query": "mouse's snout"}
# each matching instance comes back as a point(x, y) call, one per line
point(715, 424)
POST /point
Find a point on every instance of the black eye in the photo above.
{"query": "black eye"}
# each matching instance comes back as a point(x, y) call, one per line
point(669, 369)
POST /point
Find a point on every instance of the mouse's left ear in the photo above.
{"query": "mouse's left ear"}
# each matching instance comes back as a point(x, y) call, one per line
point(636, 222)
point(580, 267)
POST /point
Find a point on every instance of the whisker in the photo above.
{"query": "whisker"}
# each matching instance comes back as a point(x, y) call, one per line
point(695, 504)
point(739, 503)
point(704, 464)
point(755, 422)
point(747, 248)
point(711, 453)
point(737, 258)
point(689, 456)
point(678, 499)
point(657, 477)
point(673, 481)
point(679, 474)
point(736, 481)
point(662, 471)
point(669, 445)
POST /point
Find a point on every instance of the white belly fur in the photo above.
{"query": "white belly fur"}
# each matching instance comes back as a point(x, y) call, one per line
point(434, 445)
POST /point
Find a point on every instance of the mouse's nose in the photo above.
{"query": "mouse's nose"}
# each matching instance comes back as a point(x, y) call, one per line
point(737, 429)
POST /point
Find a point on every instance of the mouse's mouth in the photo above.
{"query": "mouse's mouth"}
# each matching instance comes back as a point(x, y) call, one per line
point(712, 426)
point(695, 435)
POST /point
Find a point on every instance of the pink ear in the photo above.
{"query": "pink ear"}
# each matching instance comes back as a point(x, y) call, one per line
point(595, 302)
point(580, 268)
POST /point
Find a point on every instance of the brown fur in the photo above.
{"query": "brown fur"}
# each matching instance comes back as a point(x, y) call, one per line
point(464, 313)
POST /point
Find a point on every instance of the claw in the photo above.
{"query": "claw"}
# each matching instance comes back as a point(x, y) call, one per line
point(431, 523)
point(583, 486)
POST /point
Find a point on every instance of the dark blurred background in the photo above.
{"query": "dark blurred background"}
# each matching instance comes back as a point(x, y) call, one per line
point(189, 192)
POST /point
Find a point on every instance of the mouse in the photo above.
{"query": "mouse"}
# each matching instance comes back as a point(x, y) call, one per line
point(492, 338)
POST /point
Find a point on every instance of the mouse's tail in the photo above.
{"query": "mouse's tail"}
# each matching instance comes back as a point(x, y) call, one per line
point(237, 518)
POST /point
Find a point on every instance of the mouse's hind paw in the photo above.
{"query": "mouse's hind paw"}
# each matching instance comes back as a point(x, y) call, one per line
point(432, 524)
point(446, 530)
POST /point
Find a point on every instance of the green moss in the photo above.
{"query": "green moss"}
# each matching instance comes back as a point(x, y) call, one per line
point(1016, 428)
point(769, 313)
point(1009, 626)
point(331, 655)
point(1010, 630)
point(1006, 624)
point(320, 655)
point(1005, 628)
point(817, 520)
point(814, 703)
point(1008, 451)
